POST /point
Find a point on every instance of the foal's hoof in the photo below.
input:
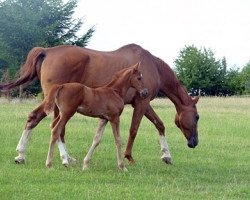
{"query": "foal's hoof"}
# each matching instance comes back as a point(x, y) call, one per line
point(19, 160)
point(167, 160)
point(85, 167)
point(49, 165)
point(123, 169)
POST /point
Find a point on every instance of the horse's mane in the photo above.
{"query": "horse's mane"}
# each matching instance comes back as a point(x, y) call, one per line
point(171, 81)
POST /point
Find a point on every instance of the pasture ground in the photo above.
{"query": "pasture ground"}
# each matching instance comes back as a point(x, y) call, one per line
point(219, 168)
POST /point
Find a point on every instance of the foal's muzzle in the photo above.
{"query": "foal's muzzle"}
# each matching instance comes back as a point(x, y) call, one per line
point(144, 93)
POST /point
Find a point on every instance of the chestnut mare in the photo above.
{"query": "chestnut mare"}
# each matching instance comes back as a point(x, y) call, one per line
point(104, 102)
point(64, 64)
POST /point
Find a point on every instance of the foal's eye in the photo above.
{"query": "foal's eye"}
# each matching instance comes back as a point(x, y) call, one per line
point(139, 78)
point(197, 117)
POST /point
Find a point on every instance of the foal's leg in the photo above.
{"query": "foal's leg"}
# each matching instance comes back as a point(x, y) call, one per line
point(96, 141)
point(55, 135)
point(61, 142)
point(152, 116)
point(118, 142)
point(139, 110)
point(33, 119)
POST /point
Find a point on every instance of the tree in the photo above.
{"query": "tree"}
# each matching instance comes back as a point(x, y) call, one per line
point(29, 23)
point(200, 71)
point(234, 82)
point(245, 78)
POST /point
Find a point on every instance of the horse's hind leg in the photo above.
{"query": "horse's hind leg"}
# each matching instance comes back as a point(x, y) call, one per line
point(33, 119)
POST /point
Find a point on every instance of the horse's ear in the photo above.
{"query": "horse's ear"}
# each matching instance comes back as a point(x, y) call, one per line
point(196, 99)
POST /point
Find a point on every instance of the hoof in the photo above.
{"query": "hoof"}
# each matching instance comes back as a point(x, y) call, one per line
point(48, 165)
point(130, 159)
point(124, 169)
point(71, 160)
point(167, 160)
point(131, 162)
point(19, 160)
point(65, 160)
point(65, 164)
point(85, 167)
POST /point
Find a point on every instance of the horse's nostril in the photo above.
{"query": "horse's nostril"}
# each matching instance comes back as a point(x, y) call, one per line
point(191, 145)
point(193, 142)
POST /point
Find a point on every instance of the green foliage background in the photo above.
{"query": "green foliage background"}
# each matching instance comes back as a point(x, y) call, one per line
point(29, 23)
point(47, 23)
point(202, 73)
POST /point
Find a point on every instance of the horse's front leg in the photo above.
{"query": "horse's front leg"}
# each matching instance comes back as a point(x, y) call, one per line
point(96, 141)
point(33, 119)
point(152, 116)
point(116, 131)
point(139, 110)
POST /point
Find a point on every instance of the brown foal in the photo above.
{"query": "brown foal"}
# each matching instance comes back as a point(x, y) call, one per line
point(105, 102)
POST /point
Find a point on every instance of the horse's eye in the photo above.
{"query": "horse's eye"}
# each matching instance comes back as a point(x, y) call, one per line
point(197, 117)
point(139, 78)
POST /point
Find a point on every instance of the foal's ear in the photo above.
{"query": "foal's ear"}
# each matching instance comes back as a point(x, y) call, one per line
point(136, 66)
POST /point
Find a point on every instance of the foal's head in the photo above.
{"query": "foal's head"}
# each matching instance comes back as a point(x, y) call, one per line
point(136, 81)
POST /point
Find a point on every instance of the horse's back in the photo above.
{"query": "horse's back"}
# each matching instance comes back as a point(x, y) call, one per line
point(93, 68)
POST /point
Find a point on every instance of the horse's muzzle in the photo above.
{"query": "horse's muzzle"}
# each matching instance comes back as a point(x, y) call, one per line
point(193, 141)
point(144, 93)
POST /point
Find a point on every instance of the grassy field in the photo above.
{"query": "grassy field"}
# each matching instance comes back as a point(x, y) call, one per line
point(219, 168)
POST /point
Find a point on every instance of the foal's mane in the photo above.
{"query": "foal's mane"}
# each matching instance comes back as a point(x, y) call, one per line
point(117, 76)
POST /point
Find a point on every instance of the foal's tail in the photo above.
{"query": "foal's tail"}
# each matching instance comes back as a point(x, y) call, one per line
point(50, 99)
point(29, 71)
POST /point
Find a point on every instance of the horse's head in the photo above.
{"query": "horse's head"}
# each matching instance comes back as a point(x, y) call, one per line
point(186, 120)
point(136, 80)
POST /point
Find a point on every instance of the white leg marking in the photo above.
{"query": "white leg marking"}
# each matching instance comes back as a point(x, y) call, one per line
point(95, 143)
point(70, 159)
point(63, 153)
point(165, 150)
point(21, 147)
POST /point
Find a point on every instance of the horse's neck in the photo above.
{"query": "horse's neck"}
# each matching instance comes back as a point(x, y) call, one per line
point(178, 95)
point(120, 86)
point(173, 88)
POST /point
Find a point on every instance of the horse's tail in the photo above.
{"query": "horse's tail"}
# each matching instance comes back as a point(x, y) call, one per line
point(30, 70)
point(50, 99)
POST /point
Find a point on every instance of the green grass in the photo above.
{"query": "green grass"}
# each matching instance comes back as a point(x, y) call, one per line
point(219, 168)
